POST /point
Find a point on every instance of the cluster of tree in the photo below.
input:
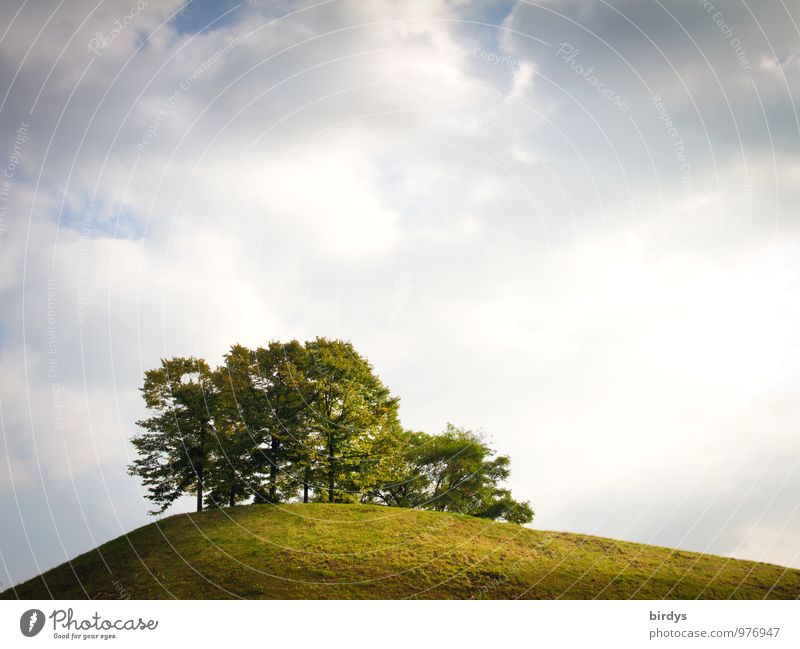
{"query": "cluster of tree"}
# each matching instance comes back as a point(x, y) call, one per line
point(309, 421)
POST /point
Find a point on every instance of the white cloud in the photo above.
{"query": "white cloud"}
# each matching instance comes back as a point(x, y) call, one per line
point(522, 82)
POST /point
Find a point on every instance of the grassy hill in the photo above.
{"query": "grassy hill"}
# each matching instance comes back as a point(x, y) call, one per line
point(357, 551)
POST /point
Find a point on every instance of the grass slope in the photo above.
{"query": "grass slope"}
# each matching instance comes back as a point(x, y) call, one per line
point(358, 551)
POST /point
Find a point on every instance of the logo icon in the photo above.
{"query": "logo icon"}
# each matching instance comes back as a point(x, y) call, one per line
point(31, 622)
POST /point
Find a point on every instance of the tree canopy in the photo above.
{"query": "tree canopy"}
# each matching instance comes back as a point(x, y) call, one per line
point(293, 421)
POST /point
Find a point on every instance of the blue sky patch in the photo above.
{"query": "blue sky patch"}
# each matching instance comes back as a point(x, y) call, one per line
point(111, 221)
point(197, 15)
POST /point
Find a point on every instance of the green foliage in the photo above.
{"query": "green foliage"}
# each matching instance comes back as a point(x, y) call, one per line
point(262, 394)
point(175, 447)
point(453, 472)
point(305, 421)
point(350, 410)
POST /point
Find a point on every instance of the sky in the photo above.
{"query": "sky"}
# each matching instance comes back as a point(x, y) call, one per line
point(572, 226)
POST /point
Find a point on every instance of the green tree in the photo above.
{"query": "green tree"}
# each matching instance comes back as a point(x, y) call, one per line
point(174, 449)
point(281, 379)
point(231, 465)
point(244, 408)
point(348, 408)
point(313, 419)
point(455, 471)
point(404, 482)
point(262, 398)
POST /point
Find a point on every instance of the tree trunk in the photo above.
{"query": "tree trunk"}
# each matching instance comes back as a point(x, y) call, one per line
point(273, 471)
point(200, 488)
point(199, 467)
point(331, 470)
point(305, 484)
point(232, 497)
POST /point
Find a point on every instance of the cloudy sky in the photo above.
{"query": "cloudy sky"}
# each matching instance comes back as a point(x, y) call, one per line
point(572, 225)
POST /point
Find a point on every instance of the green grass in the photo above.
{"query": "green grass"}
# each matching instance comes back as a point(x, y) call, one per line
point(358, 551)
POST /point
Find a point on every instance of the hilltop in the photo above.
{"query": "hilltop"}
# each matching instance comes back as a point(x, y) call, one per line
point(311, 551)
